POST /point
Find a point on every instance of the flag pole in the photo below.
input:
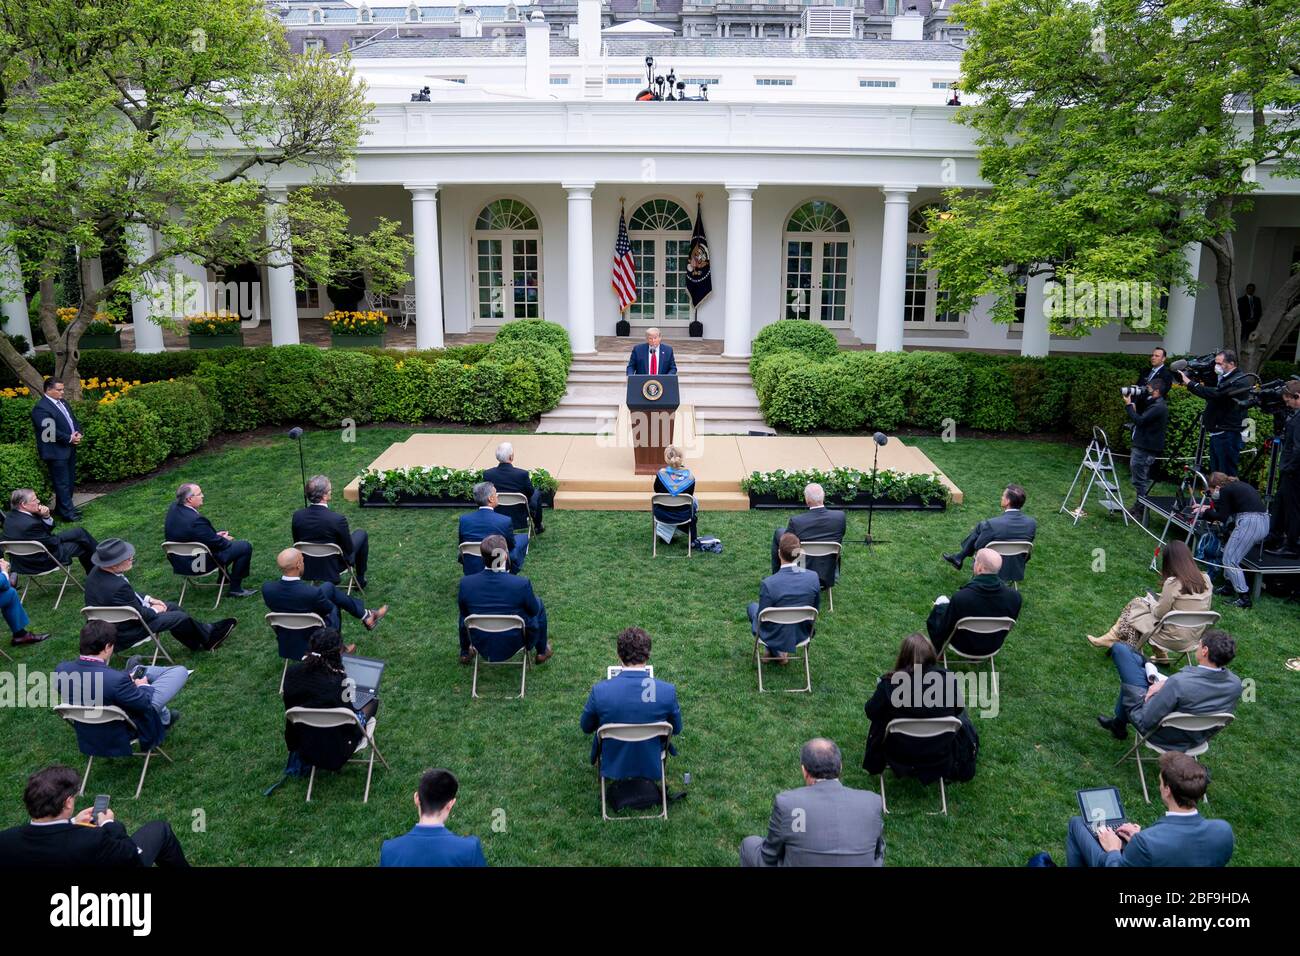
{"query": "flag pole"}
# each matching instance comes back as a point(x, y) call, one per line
point(622, 327)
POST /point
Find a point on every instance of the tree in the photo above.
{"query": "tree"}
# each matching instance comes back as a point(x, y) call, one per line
point(119, 116)
point(1112, 134)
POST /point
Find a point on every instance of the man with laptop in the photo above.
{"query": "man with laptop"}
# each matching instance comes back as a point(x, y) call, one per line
point(1182, 837)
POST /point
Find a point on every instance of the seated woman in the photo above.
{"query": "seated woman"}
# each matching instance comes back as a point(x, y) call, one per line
point(1185, 587)
point(918, 687)
point(318, 681)
point(676, 479)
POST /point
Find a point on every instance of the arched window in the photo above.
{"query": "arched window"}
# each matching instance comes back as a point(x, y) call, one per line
point(512, 12)
point(817, 244)
point(922, 302)
point(660, 233)
point(316, 15)
point(364, 15)
point(412, 13)
point(507, 243)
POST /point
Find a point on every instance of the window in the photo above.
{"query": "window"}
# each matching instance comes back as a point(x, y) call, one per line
point(941, 85)
point(817, 244)
point(512, 12)
point(364, 15)
point(316, 15)
point(891, 8)
point(878, 84)
point(773, 81)
point(559, 81)
point(660, 233)
point(646, 6)
point(451, 79)
point(507, 263)
point(309, 45)
point(412, 14)
point(624, 80)
point(922, 300)
point(308, 297)
point(698, 80)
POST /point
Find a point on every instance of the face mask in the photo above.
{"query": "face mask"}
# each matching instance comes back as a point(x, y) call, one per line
point(1218, 369)
point(1214, 495)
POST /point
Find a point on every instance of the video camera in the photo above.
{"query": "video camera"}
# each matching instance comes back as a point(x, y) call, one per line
point(1267, 396)
point(1199, 369)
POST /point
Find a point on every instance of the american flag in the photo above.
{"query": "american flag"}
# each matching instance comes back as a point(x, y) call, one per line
point(623, 276)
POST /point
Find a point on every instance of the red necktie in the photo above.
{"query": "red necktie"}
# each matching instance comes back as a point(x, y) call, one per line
point(654, 362)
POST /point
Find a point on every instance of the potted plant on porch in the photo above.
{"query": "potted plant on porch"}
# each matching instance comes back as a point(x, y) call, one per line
point(215, 330)
point(355, 330)
point(101, 333)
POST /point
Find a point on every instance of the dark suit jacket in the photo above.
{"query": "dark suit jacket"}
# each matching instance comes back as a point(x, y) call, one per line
point(1290, 460)
point(506, 477)
point(320, 525)
point(789, 587)
point(1189, 840)
point(982, 596)
point(1149, 424)
point(818, 524)
point(432, 846)
point(896, 696)
point(112, 590)
point(22, 526)
point(297, 597)
point(673, 515)
point(622, 700)
point(186, 524)
point(68, 845)
point(326, 747)
point(1251, 309)
point(1164, 374)
point(478, 524)
point(639, 362)
point(495, 592)
point(61, 448)
point(111, 740)
point(1222, 413)
point(1012, 525)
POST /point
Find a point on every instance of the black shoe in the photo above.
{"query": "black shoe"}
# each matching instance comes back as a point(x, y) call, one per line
point(954, 560)
point(362, 584)
point(1118, 728)
point(175, 719)
point(539, 530)
point(241, 593)
point(220, 631)
point(1225, 590)
point(27, 637)
point(1286, 551)
point(1243, 601)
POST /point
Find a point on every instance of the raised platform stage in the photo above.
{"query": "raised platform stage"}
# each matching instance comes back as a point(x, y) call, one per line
point(596, 474)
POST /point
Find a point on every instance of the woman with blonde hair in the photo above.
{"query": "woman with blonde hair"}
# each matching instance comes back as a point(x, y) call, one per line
point(1185, 588)
point(676, 479)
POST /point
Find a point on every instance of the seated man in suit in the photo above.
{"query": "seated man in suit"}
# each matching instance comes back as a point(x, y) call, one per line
point(317, 524)
point(184, 523)
point(818, 523)
point(790, 586)
point(430, 842)
point(107, 586)
point(29, 520)
point(486, 521)
point(822, 823)
point(144, 699)
point(493, 591)
point(1206, 687)
point(59, 836)
point(1012, 525)
point(984, 595)
point(11, 607)
point(292, 595)
point(1182, 837)
point(506, 477)
point(651, 358)
point(631, 697)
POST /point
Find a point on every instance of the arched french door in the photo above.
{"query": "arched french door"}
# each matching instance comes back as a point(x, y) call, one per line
point(817, 281)
point(660, 234)
point(507, 277)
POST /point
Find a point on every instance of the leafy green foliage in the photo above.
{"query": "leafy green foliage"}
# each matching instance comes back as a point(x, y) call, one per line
point(20, 467)
point(394, 485)
point(807, 338)
point(122, 440)
point(186, 418)
point(845, 484)
point(541, 331)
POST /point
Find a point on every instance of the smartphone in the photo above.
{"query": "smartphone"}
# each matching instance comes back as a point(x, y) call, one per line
point(101, 804)
point(139, 672)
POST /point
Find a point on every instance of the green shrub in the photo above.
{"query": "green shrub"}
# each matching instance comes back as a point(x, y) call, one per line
point(345, 381)
point(16, 420)
point(21, 467)
point(521, 394)
point(805, 337)
point(768, 373)
point(123, 439)
point(185, 415)
point(799, 396)
point(538, 330)
point(991, 405)
point(1095, 400)
point(238, 389)
point(552, 369)
point(407, 391)
point(291, 382)
point(935, 385)
point(862, 392)
point(482, 389)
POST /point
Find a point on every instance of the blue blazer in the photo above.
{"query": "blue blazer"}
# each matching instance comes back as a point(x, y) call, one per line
point(639, 362)
point(789, 587)
point(477, 525)
point(186, 524)
point(1178, 841)
point(620, 700)
point(111, 740)
point(61, 448)
point(432, 846)
point(494, 592)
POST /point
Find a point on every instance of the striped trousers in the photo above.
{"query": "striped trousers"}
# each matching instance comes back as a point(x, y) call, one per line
point(1251, 529)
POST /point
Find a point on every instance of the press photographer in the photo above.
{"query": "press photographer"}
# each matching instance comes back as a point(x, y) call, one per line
point(1224, 415)
point(1149, 427)
point(1288, 501)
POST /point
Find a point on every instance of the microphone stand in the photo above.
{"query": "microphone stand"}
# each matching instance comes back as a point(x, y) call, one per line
point(302, 467)
point(871, 502)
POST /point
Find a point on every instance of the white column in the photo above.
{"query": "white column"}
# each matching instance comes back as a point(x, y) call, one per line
point(1182, 306)
point(582, 299)
point(428, 267)
point(893, 268)
point(148, 335)
point(737, 320)
point(1035, 340)
point(13, 298)
point(279, 274)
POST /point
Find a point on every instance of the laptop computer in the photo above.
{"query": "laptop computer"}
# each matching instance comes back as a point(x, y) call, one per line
point(1101, 807)
point(615, 669)
point(365, 673)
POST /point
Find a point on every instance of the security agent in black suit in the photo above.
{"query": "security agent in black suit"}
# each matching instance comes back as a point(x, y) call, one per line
point(506, 477)
point(1012, 525)
point(58, 836)
point(1223, 416)
point(29, 520)
point(317, 524)
point(1288, 466)
point(818, 523)
point(58, 433)
point(1150, 421)
point(184, 523)
point(107, 586)
point(984, 595)
point(1250, 309)
point(1159, 370)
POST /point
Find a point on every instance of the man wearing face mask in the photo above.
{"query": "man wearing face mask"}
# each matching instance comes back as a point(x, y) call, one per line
point(1223, 417)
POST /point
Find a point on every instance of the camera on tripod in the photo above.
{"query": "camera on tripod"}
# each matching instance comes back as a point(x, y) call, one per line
point(1199, 369)
point(1268, 396)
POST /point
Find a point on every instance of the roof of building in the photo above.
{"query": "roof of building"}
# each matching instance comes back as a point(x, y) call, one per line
point(807, 48)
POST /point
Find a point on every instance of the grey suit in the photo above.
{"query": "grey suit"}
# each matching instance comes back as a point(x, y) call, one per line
point(827, 824)
point(1193, 690)
point(1012, 525)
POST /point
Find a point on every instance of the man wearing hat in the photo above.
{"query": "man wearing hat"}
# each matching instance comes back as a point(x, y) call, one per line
point(107, 586)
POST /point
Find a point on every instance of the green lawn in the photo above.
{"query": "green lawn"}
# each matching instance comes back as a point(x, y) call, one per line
point(525, 762)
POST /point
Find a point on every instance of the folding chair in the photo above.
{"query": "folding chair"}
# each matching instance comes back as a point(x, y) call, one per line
point(304, 624)
point(203, 563)
point(496, 624)
point(515, 499)
point(35, 549)
point(822, 549)
point(124, 614)
point(1011, 549)
point(1178, 720)
point(977, 625)
point(77, 714)
point(327, 717)
point(635, 734)
point(323, 550)
point(669, 501)
point(1197, 619)
point(921, 728)
point(786, 615)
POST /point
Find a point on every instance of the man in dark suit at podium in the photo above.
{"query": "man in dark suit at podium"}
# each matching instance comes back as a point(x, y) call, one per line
point(652, 358)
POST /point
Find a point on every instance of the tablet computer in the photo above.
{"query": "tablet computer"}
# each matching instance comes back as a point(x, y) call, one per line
point(1101, 807)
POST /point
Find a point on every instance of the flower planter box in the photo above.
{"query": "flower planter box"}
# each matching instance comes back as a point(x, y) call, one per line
point(860, 502)
point(231, 340)
point(113, 341)
point(430, 501)
point(356, 341)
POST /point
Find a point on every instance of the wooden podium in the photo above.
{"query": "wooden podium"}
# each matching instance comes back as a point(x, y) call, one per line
point(652, 402)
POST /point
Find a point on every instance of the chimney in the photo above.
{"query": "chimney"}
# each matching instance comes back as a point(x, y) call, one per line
point(537, 52)
point(471, 24)
point(907, 26)
point(589, 29)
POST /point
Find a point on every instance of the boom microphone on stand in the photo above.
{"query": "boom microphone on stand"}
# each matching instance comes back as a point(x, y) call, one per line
point(880, 438)
point(296, 434)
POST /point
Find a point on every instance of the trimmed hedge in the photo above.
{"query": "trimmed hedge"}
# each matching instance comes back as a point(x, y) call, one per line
point(538, 331)
point(807, 338)
point(20, 467)
point(186, 417)
point(122, 439)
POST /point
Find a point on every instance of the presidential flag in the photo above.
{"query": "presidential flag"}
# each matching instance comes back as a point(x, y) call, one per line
point(623, 276)
point(699, 272)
